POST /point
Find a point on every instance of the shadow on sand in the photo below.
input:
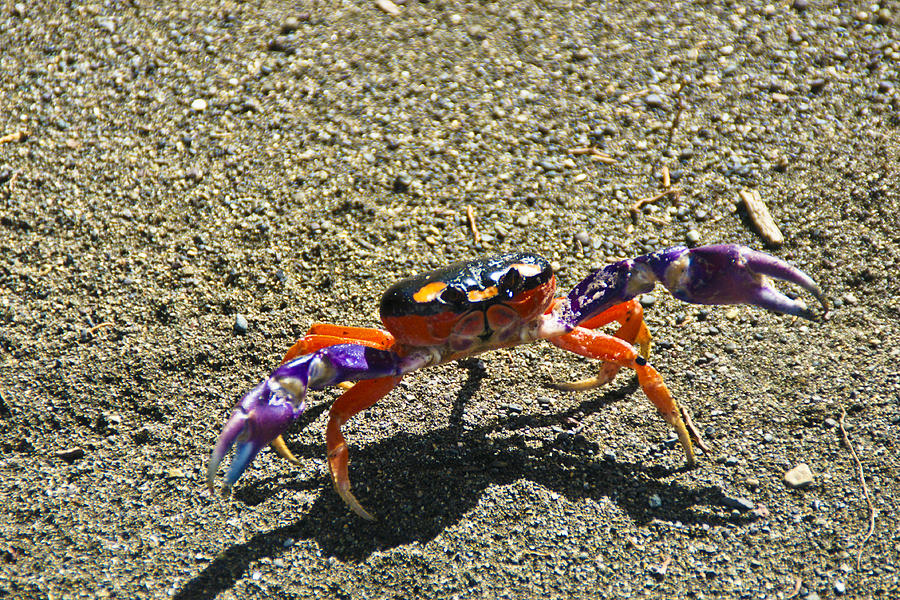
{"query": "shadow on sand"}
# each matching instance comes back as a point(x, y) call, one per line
point(421, 484)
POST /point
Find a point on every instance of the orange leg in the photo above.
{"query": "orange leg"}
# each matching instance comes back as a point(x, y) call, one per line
point(322, 335)
point(632, 329)
point(594, 344)
point(358, 398)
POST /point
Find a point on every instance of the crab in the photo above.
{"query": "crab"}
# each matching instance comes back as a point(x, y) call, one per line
point(488, 303)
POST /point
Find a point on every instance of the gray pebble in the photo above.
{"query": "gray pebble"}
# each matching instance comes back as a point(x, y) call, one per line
point(739, 503)
point(647, 300)
point(799, 477)
point(655, 101)
point(839, 587)
point(654, 501)
point(692, 236)
point(240, 324)
point(583, 238)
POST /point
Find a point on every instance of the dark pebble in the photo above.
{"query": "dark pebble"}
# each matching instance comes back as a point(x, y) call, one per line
point(402, 183)
point(817, 84)
point(70, 455)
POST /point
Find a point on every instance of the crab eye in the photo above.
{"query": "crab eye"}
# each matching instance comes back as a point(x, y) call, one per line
point(511, 280)
point(452, 295)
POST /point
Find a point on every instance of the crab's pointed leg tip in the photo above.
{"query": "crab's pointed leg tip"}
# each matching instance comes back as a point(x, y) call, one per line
point(351, 501)
point(283, 451)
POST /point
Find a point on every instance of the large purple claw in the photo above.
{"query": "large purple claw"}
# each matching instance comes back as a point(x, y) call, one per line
point(272, 406)
point(260, 417)
point(731, 274)
point(720, 274)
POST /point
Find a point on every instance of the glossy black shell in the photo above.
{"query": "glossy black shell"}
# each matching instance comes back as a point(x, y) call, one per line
point(462, 278)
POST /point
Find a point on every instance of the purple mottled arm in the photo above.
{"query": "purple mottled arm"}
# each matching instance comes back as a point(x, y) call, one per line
point(272, 406)
point(720, 274)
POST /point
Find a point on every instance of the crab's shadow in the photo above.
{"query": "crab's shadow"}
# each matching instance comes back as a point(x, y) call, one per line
point(420, 485)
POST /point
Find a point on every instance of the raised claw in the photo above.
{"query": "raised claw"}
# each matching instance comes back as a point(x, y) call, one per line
point(719, 274)
point(731, 274)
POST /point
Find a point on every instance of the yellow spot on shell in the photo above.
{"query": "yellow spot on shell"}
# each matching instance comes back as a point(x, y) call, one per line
point(478, 295)
point(429, 292)
point(526, 269)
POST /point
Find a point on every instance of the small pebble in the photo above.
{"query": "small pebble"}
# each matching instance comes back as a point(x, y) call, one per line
point(583, 238)
point(739, 503)
point(199, 105)
point(402, 183)
point(692, 236)
point(654, 501)
point(839, 587)
point(70, 455)
point(654, 101)
point(799, 477)
point(240, 324)
point(850, 299)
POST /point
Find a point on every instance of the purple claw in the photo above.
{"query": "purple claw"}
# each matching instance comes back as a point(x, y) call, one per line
point(720, 274)
point(261, 416)
point(272, 406)
point(731, 274)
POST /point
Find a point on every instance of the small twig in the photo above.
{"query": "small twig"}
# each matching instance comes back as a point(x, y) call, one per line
point(97, 328)
point(471, 215)
point(761, 217)
point(15, 136)
point(666, 179)
point(692, 430)
point(656, 220)
point(594, 152)
point(636, 208)
point(862, 483)
point(632, 95)
point(676, 120)
point(798, 582)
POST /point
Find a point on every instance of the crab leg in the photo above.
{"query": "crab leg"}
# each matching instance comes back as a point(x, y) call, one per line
point(720, 274)
point(273, 405)
point(322, 335)
point(594, 344)
point(358, 398)
point(630, 315)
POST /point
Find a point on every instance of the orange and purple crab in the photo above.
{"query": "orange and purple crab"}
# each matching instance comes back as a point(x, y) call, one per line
point(471, 307)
